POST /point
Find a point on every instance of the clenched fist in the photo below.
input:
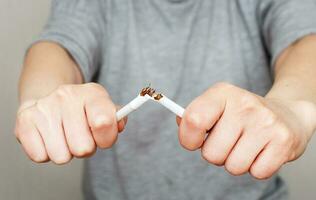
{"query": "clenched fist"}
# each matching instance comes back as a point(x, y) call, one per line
point(71, 121)
point(246, 132)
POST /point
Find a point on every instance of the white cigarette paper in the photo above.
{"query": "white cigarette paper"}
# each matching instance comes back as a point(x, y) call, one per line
point(146, 94)
point(171, 105)
point(131, 106)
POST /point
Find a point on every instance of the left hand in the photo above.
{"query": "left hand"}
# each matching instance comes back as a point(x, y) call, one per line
point(248, 133)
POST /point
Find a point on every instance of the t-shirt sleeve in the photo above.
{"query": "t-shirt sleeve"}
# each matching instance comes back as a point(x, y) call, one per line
point(78, 26)
point(284, 22)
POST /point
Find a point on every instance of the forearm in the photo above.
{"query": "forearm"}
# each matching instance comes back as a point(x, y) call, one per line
point(295, 72)
point(47, 65)
point(295, 80)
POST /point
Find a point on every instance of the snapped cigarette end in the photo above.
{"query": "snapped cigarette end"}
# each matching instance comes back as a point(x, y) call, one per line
point(138, 101)
point(151, 92)
point(147, 90)
point(163, 100)
point(157, 96)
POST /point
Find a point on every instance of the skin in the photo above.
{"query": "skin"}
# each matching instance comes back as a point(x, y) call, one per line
point(63, 117)
point(250, 133)
point(59, 117)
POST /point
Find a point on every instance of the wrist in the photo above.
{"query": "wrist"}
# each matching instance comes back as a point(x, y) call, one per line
point(303, 112)
point(306, 112)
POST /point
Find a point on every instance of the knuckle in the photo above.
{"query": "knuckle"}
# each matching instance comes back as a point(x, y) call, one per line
point(23, 119)
point(45, 103)
point(248, 104)
point(47, 108)
point(195, 120)
point(42, 104)
point(102, 122)
point(249, 101)
point(245, 111)
point(260, 172)
point(235, 168)
point(96, 87)
point(268, 117)
point(64, 91)
point(24, 116)
point(220, 87)
point(212, 157)
point(83, 150)
point(223, 85)
point(60, 160)
point(39, 158)
point(285, 137)
point(65, 87)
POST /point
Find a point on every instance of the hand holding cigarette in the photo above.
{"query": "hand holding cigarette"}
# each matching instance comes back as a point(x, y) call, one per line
point(75, 119)
point(71, 121)
point(236, 128)
point(248, 133)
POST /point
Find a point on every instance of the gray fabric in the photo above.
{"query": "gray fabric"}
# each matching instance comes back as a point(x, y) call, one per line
point(181, 47)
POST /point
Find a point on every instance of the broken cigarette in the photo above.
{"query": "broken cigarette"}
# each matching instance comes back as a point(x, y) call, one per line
point(131, 106)
point(144, 95)
point(163, 100)
point(170, 105)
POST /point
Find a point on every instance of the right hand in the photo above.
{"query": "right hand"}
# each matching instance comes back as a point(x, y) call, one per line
point(71, 121)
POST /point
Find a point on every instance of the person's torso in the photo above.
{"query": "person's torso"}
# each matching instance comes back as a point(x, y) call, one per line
point(181, 48)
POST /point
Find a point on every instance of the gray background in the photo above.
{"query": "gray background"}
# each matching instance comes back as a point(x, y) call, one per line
point(20, 22)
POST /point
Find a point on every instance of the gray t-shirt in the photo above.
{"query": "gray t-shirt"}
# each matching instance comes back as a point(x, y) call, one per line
point(181, 47)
